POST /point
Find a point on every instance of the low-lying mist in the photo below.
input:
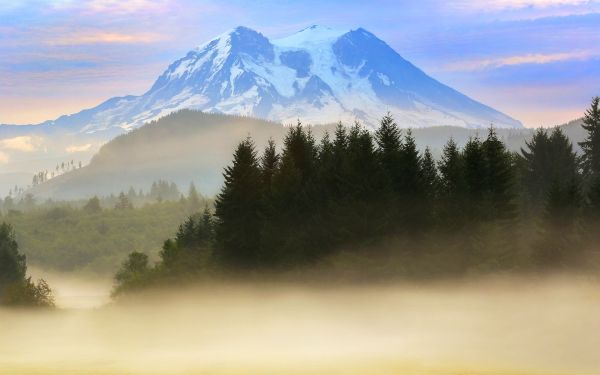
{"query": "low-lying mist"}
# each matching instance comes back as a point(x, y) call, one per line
point(490, 326)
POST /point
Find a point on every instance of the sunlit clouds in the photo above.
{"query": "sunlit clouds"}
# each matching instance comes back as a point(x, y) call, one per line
point(498, 62)
point(24, 143)
point(105, 37)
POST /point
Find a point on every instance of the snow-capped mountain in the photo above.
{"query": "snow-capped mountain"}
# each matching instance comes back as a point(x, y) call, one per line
point(318, 75)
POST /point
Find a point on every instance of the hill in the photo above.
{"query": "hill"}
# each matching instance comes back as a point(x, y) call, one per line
point(191, 146)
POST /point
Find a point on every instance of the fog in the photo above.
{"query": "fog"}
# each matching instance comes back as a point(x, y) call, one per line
point(492, 326)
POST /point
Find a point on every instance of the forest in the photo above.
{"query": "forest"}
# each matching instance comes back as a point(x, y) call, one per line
point(353, 206)
point(359, 205)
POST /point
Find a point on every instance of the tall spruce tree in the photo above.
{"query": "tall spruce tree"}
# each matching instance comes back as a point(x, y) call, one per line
point(268, 166)
point(12, 264)
point(547, 160)
point(591, 157)
point(475, 177)
point(499, 178)
point(591, 145)
point(389, 146)
point(237, 209)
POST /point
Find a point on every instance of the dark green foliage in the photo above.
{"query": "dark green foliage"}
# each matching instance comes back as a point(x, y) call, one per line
point(269, 163)
point(591, 145)
point(93, 206)
point(388, 150)
point(499, 179)
point(133, 270)
point(12, 264)
point(15, 288)
point(546, 161)
point(452, 186)
point(431, 179)
point(559, 237)
point(475, 167)
point(376, 196)
point(238, 208)
point(28, 294)
point(591, 157)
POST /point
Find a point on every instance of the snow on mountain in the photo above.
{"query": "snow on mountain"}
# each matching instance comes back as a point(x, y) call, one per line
point(319, 75)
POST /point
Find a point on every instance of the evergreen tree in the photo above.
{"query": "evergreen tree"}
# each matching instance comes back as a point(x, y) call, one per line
point(591, 157)
point(413, 206)
point(546, 161)
point(238, 209)
point(499, 178)
point(12, 264)
point(430, 176)
point(537, 174)
point(452, 186)
point(268, 166)
point(591, 145)
point(389, 146)
point(475, 170)
point(92, 206)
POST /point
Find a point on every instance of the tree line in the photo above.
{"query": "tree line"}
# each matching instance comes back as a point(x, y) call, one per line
point(480, 207)
point(16, 288)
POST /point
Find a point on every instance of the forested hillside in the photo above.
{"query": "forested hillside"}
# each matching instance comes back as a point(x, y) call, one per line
point(386, 209)
point(193, 146)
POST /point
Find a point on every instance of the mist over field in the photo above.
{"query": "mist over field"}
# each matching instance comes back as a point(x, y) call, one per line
point(541, 325)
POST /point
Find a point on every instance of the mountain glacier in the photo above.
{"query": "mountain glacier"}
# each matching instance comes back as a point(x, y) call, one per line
point(318, 75)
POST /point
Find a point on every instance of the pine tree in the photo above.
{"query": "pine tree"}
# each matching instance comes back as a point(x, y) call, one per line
point(268, 166)
point(238, 207)
point(546, 161)
point(92, 206)
point(499, 178)
point(537, 174)
point(591, 157)
point(452, 186)
point(591, 145)
point(475, 170)
point(389, 146)
point(12, 264)
point(430, 176)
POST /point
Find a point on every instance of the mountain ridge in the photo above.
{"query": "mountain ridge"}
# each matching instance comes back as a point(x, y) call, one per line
point(319, 74)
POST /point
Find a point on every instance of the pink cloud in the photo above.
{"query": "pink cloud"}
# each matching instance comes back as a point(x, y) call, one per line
point(96, 37)
point(535, 58)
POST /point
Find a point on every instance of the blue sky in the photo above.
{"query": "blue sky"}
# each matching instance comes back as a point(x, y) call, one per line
point(537, 60)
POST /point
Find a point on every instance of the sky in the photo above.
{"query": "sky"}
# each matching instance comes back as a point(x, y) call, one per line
point(536, 60)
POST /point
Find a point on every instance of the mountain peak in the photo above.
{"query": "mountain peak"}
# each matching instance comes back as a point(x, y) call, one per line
point(314, 34)
point(319, 74)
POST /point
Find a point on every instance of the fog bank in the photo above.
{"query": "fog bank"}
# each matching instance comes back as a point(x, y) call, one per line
point(517, 326)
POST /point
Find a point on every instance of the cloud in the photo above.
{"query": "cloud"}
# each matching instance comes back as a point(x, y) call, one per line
point(117, 7)
point(78, 148)
point(4, 158)
point(499, 5)
point(103, 37)
point(537, 58)
point(23, 143)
